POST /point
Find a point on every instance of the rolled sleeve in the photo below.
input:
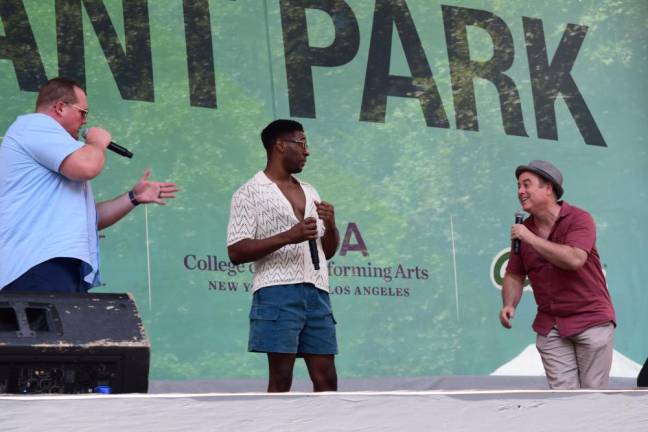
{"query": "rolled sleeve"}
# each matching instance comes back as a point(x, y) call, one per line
point(515, 265)
point(243, 221)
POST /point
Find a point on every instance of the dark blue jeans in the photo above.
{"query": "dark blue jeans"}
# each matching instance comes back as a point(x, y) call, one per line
point(57, 274)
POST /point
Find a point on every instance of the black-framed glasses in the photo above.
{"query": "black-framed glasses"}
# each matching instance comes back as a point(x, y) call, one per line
point(84, 112)
point(302, 144)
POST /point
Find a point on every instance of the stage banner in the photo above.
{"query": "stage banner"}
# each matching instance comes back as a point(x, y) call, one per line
point(417, 114)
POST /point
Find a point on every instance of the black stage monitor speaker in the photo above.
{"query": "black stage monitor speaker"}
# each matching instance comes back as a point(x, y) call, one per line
point(642, 379)
point(72, 343)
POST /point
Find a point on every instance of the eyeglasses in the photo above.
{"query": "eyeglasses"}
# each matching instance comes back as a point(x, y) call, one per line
point(84, 112)
point(302, 144)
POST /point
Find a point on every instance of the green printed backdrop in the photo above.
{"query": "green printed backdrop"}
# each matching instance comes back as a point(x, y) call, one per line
point(426, 190)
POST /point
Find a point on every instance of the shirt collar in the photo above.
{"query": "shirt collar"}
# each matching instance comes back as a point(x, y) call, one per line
point(565, 209)
point(262, 179)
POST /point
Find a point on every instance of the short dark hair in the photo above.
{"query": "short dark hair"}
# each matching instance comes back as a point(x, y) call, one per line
point(278, 128)
point(57, 89)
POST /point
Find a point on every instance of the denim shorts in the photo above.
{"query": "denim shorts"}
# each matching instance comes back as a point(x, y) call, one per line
point(293, 319)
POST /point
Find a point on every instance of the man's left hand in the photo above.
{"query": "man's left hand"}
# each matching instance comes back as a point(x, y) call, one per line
point(326, 212)
point(147, 191)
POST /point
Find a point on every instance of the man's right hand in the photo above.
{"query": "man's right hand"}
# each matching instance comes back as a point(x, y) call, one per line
point(87, 162)
point(98, 137)
point(506, 315)
point(302, 231)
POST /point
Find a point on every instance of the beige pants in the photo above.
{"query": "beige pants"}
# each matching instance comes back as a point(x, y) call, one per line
point(580, 361)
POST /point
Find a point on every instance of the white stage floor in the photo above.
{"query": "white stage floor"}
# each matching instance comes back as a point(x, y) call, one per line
point(529, 410)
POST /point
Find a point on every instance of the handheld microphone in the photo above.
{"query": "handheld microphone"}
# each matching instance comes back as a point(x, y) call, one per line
point(519, 218)
point(122, 151)
point(312, 245)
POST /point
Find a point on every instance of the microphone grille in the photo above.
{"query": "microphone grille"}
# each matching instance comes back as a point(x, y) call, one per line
point(519, 216)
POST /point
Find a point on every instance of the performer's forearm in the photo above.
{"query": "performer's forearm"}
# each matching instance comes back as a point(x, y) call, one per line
point(111, 211)
point(562, 256)
point(512, 287)
point(330, 242)
point(248, 250)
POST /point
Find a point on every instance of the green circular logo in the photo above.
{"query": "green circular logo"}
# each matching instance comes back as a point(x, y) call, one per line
point(498, 269)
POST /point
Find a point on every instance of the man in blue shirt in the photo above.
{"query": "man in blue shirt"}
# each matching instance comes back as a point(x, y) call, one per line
point(48, 216)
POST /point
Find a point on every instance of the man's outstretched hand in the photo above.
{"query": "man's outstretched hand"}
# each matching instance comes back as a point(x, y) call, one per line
point(147, 191)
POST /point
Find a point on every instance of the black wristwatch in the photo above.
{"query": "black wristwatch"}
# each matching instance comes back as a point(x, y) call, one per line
point(131, 197)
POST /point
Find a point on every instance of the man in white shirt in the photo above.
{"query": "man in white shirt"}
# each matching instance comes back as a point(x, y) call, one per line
point(272, 218)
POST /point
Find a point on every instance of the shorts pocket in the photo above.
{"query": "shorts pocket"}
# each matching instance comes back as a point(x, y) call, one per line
point(264, 312)
point(263, 328)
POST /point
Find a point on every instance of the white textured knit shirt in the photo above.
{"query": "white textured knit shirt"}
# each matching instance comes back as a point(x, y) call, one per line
point(260, 210)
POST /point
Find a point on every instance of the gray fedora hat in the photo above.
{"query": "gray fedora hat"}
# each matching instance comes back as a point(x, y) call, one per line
point(547, 171)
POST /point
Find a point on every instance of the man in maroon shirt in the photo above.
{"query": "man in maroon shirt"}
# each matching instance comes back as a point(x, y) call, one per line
point(575, 320)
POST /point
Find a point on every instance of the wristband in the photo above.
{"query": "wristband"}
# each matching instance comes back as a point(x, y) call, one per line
point(131, 197)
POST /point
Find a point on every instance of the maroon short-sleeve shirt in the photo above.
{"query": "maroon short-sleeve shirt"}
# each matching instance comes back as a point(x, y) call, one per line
point(571, 300)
